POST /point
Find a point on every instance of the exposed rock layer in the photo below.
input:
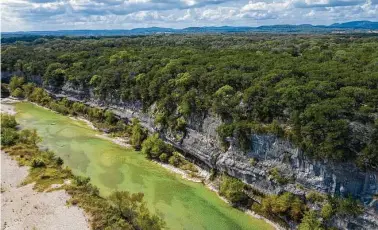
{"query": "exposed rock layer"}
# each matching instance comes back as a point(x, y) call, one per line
point(267, 151)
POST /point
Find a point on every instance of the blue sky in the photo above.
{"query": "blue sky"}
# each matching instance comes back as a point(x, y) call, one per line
point(20, 15)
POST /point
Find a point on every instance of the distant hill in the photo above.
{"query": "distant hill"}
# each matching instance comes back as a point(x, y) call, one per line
point(347, 27)
point(356, 25)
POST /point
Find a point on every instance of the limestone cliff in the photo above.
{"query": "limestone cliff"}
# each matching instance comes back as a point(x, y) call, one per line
point(267, 152)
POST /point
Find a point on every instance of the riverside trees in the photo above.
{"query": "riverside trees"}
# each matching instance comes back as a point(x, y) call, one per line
point(121, 210)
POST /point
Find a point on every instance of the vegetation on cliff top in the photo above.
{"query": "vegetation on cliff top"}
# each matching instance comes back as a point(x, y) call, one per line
point(307, 88)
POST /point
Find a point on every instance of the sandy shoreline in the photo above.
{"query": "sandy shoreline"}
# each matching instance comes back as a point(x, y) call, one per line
point(7, 107)
point(24, 208)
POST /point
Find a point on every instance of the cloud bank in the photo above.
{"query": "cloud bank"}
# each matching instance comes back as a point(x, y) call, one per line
point(20, 15)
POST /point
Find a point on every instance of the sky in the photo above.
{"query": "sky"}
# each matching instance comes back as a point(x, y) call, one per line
point(27, 15)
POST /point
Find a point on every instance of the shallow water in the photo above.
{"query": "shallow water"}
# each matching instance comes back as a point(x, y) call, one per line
point(182, 204)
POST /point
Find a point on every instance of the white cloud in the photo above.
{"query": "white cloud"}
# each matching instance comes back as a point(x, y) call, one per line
point(125, 14)
point(266, 6)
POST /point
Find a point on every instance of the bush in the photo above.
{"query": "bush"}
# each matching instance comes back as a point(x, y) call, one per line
point(18, 93)
point(327, 211)
point(110, 117)
point(28, 89)
point(8, 136)
point(286, 204)
point(315, 197)
point(163, 157)
point(348, 206)
point(59, 161)
point(153, 147)
point(38, 163)
point(28, 136)
point(8, 121)
point(252, 162)
point(80, 180)
point(15, 83)
point(138, 134)
point(310, 222)
point(233, 190)
point(175, 159)
point(276, 175)
point(131, 208)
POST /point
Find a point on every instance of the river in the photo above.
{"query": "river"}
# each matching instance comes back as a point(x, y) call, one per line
point(183, 204)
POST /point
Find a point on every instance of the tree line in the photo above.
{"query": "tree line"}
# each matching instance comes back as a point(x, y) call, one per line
point(308, 89)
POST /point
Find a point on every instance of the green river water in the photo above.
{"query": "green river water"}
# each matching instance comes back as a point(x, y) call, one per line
point(182, 204)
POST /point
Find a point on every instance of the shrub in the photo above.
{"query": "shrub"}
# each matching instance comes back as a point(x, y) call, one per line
point(28, 89)
point(8, 121)
point(175, 159)
point(153, 147)
point(286, 204)
point(18, 93)
point(137, 134)
point(8, 136)
point(110, 117)
point(163, 157)
point(80, 180)
point(59, 161)
point(310, 222)
point(327, 211)
point(252, 162)
point(28, 136)
point(15, 83)
point(188, 166)
point(37, 163)
point(276, 175)
point(132, 209)
point(348, 206)
point(233, 190)
point(315, 197)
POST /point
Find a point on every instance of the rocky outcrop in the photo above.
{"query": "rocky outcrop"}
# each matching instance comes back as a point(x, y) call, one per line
point(267, 153)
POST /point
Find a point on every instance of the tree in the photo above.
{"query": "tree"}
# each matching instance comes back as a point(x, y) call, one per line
point(137, 134)
point(54, 75)
point(327, 211)
point(153, 147)
point(8, 121)
point(16, 82)
point(78, 108)
point(310, 222)
point(224, 99)
point(18, 93)
point(126, 204)
point(110, 117)
point(286, 204)
point(133, 210)
point(175, 159)
point(28, 89)
point(8, 136)
point(233, 190)
point(163, 157)
point(28, 136)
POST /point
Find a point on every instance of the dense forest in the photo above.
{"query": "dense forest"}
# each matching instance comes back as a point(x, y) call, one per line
point(310, 89)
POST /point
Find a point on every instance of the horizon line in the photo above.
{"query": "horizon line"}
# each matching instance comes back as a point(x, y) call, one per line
point(183, 28)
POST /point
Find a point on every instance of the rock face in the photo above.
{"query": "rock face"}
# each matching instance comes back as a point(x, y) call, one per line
point(267, 153)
